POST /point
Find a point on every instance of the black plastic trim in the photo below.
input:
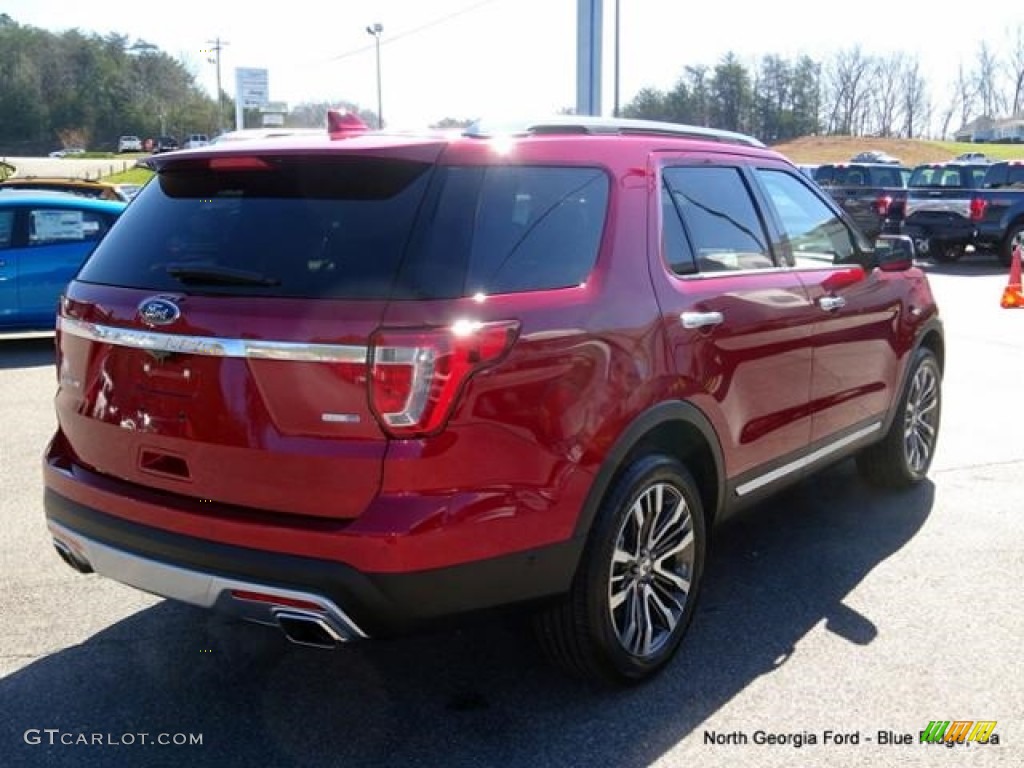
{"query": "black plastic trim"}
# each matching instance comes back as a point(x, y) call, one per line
point(380, 603)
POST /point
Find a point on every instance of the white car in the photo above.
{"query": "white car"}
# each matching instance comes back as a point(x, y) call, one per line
point(196, 140)
point(129, 144)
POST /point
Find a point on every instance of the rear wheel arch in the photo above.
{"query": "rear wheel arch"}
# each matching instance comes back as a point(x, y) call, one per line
point(677, 429)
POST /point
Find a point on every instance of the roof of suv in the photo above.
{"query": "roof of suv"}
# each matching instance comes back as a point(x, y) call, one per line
point(565, 127)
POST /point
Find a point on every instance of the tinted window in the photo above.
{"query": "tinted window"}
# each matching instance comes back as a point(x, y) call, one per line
point(945, 176)
point(859, 176)
point(814, 233)
point(6, 228)
point(675, 247)
point(886, 177)
point(720, 217)
point(1005, 175)
point(357, 227)
point(505, 229)
point(305, 227)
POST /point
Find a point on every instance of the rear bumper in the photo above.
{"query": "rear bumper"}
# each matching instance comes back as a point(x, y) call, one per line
point(355, 604)
point(950, 232)
point(991, 235)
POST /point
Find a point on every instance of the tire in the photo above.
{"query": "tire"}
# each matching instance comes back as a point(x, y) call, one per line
point(904, 455)
point(629, 607)
point(1014, 236)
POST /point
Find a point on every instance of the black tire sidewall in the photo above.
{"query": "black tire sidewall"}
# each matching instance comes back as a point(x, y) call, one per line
point(631, 484)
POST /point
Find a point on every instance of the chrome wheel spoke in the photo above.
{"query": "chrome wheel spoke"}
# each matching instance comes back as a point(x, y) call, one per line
point(684, 544)
point(677, 581)
point(669, 614)
point(651, 569)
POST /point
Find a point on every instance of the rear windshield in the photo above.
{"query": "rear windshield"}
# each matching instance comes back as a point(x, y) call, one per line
point(859, 176)
point(359, 228)
point(947, 176)
point(1005, 175)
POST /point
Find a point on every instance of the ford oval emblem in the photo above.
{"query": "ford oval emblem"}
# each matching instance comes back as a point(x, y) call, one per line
point(158, 311)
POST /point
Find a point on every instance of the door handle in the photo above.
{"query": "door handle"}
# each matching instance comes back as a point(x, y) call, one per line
point(831, 303)
point(693, 320)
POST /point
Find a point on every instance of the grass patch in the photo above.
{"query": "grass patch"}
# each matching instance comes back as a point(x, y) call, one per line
point(996, 151)
point(131, 176)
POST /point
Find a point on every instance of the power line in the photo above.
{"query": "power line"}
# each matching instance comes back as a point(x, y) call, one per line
point(413, 31)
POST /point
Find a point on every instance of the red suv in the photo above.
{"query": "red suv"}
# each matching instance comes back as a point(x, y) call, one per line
point(348, 385)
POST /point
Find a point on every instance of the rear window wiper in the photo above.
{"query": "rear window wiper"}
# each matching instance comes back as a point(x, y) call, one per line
point(210, 274)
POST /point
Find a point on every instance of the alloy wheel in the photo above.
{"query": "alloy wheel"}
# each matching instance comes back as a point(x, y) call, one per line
point(920, 421)
point(652, 570)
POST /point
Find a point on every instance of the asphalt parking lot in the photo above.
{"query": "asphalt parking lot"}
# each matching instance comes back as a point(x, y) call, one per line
point(832, 612)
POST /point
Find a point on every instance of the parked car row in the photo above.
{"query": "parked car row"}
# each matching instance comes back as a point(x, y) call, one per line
point(946, 208)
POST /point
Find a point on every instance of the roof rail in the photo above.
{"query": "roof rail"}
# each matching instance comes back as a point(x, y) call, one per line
point(604, 126)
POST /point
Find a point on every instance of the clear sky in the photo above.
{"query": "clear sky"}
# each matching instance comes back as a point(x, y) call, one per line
point(467, 58)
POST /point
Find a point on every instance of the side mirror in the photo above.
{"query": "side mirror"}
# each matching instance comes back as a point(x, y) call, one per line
point(894, 253)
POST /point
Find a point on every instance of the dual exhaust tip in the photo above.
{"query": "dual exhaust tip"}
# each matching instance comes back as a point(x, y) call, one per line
point(301, 626)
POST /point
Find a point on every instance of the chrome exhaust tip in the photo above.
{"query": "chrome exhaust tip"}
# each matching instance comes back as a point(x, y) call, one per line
point(308, 629)
point(67, 554)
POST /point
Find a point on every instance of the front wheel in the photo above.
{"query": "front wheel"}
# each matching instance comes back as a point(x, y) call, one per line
point(904, 455)
point(635, 591)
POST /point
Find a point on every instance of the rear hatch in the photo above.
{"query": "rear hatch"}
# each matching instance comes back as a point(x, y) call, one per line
point(258, 326)
point(216, 344)
point(939, 193)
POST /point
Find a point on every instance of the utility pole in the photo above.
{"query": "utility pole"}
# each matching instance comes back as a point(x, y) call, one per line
point(216, 45)
point(376, 30)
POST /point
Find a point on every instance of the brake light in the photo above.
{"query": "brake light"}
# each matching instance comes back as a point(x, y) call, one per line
point(238, 164)
point(417, 375)
point(882, 205)
point(978, 206)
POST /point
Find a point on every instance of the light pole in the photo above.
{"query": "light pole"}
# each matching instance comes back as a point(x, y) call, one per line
point(376, 30)
point(216, 47)
point(615, 107)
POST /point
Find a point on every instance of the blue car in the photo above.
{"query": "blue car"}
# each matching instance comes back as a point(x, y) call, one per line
point(44, 238)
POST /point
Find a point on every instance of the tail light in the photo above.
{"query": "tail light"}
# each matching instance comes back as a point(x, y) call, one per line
point(417, 375)
point(978, 206)
point(882, 205)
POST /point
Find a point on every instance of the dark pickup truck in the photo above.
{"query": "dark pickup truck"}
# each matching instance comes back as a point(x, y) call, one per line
point(871, 193)
point(1000, 204)
point(943, 208)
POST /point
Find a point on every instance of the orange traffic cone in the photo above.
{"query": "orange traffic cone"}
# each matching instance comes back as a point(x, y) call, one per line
point(1012, 297)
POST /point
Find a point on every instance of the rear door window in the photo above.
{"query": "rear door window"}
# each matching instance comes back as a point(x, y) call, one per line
point(720, 217)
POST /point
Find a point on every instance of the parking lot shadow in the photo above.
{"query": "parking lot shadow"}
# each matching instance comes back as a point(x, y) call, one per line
point(971, 265)
point(26, 351)
point(476, 696)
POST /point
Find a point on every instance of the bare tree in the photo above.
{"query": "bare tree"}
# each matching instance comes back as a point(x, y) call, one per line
point(1015, 58)
point(885, 88)
point(965, 92)
point(914, 95)
point(847, 78)
point(986, 81)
